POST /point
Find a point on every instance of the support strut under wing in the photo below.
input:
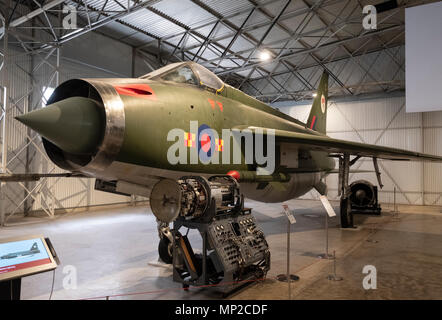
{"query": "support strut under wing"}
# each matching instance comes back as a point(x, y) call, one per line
point(344, 191)
point(378, 173)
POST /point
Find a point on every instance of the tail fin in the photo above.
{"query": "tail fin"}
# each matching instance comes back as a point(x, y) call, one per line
point(317, 120)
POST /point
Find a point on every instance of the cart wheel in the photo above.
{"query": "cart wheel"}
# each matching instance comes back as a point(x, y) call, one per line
point(165, 250)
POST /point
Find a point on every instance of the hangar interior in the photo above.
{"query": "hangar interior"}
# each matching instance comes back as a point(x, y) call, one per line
point(273, 50)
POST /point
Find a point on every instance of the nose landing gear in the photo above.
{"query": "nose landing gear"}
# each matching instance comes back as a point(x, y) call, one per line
point(165, 246)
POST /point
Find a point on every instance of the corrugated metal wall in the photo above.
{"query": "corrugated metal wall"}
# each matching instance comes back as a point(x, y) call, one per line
point(384, 121)
point(19, 86)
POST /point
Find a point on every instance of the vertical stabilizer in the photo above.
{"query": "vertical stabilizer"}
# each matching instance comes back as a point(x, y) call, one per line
point(317, 119)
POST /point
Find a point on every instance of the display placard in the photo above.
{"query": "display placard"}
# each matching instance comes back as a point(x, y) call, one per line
point(289, 214)
point(20, 257)
point(328, 207)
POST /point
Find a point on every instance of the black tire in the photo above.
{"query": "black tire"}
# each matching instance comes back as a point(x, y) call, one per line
point(164, 252)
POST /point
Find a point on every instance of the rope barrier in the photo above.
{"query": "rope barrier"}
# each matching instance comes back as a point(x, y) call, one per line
point(173, 289)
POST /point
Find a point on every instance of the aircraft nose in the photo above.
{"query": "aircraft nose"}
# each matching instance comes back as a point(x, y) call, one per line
point(75, 125)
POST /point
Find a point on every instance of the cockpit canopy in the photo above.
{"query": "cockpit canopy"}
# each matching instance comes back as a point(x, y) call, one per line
point(187, 72)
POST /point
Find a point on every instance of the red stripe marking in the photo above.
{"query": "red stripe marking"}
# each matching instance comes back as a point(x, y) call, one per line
point(313, 122)
point(220, 105)
point(205, 142)
point(138, 90)
point(212, 103)
point(25, 265)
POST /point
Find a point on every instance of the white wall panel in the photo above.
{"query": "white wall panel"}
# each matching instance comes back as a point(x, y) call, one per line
point(423, 44)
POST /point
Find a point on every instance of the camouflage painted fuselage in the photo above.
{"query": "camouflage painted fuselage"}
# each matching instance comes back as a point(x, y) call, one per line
point(148, 121)
point(137, 118)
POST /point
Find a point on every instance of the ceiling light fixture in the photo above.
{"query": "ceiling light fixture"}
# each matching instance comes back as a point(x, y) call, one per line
point(264, 56)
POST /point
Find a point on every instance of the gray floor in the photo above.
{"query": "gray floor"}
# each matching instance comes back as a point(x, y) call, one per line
point(111, 251)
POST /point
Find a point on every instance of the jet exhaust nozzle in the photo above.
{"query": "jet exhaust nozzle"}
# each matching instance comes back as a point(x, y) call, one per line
point(75, 125)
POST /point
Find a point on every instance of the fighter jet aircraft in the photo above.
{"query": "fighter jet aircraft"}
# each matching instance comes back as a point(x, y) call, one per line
point(124, 133)
point(34, 250)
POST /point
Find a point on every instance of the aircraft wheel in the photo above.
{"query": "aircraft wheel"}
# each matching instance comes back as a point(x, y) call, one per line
point(165, 250)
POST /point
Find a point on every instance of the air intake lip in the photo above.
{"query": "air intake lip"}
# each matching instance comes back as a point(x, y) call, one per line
point(106, 96)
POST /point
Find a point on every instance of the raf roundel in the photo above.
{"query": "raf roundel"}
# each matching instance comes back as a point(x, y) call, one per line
point(323, 104)
point(206, 143)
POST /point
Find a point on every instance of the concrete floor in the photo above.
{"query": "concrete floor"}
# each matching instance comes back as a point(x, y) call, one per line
point(111, 251)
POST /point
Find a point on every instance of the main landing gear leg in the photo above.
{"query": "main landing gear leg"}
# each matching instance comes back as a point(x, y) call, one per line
point(165, 246)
